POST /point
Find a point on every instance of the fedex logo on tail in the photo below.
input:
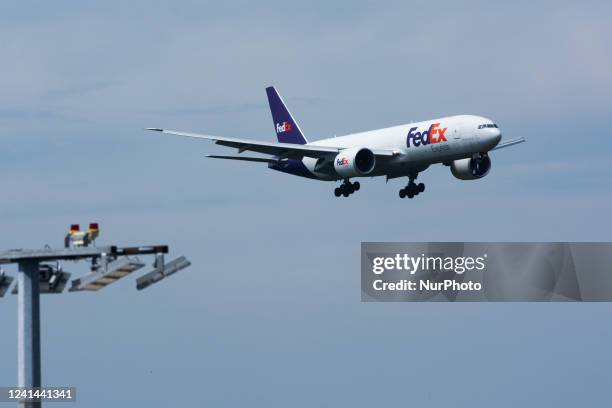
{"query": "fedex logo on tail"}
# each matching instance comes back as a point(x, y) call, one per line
point(435, 134)
point(283, 127)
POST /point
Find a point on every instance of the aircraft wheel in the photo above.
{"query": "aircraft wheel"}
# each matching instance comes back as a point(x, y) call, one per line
point(421, 187)
point(337, 192)
point(356, 186)
point(402, 193)
point(410, 193)
point(346, 193)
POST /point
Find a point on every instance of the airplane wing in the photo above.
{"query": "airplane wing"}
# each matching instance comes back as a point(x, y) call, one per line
point(508, 143)
point(281, 150)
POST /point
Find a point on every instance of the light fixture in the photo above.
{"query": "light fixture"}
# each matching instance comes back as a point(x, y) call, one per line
point(105, 274)
point(161, 271)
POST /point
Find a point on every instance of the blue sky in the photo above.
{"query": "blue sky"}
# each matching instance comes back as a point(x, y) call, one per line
point(270, 314)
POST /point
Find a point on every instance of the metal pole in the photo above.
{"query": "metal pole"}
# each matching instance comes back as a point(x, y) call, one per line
point(28, 327)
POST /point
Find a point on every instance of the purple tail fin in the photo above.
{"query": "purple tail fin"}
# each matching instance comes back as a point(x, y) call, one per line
point(287, 129)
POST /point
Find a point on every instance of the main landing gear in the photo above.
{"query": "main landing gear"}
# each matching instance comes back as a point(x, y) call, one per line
point(412, 189)
point(346, 189)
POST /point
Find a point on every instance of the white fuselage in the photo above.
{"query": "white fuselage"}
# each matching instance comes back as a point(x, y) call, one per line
point(451, 138)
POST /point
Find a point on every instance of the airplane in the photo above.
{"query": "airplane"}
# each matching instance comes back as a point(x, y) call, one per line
point(462, 142)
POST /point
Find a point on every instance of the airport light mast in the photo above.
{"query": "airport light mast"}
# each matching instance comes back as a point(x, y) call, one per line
point(40, 272)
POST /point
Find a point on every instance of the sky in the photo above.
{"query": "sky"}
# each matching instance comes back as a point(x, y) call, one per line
point(269, 314)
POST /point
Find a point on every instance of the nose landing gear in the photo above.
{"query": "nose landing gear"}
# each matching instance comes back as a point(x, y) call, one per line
point(347, 188)
point(412, 189)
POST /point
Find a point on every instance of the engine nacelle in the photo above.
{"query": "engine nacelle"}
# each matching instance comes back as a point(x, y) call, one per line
point(356, 161)
point(471, 168)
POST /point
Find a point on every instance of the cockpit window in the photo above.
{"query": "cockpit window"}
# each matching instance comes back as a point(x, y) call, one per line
point(487, 125)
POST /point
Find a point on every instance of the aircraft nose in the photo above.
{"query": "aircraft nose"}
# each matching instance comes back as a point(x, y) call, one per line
point(489, 135)
point(491, 138)
point(496, 136)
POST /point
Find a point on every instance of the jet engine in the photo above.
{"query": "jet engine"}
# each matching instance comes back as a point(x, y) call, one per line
point(472, 168)
point(356, 161)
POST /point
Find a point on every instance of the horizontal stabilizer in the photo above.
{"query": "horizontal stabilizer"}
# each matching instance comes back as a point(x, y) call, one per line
point(251, 159)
